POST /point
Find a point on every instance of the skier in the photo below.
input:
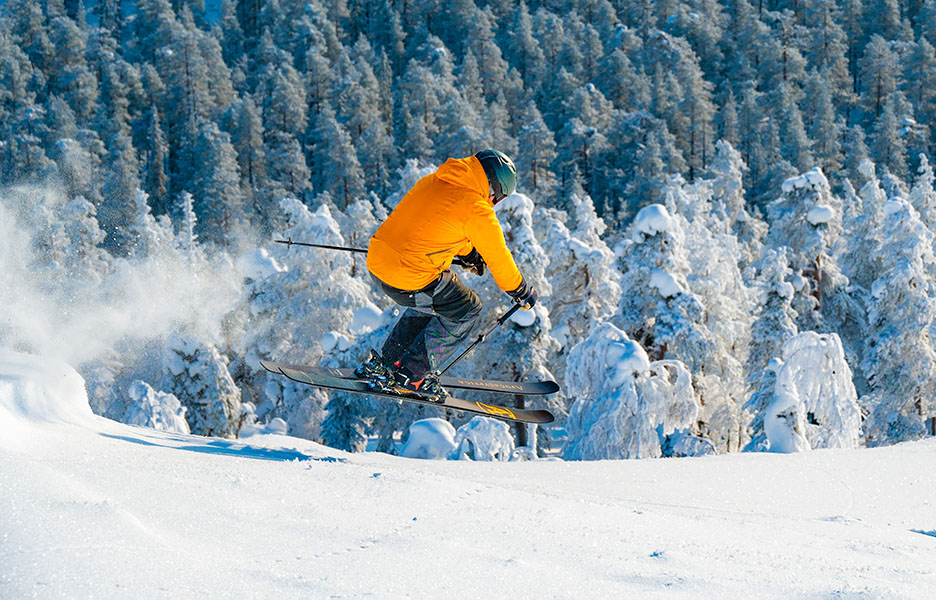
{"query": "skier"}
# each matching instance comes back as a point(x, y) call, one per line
point(447, 215)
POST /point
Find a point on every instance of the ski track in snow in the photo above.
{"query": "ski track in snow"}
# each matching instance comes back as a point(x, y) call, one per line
point(89, 507)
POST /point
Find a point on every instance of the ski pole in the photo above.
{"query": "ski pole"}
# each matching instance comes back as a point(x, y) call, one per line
point(346, 249)
point(482, 336)
point(455, 261)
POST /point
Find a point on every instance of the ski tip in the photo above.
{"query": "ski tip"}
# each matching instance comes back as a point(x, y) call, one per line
point(271, 367)
point(551, 387)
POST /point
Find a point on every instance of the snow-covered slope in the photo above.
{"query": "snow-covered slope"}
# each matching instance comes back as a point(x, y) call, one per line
point(89, 507)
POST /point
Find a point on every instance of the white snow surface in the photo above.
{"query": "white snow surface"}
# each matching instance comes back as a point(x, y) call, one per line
point(93, 508)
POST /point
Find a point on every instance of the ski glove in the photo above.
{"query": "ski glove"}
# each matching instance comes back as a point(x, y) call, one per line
point(524, 295)
point(473, 261)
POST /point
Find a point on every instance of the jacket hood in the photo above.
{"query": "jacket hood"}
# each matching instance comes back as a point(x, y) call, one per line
point(464, 172)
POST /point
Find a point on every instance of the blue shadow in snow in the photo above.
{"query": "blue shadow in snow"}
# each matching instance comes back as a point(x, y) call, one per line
point(226, 448)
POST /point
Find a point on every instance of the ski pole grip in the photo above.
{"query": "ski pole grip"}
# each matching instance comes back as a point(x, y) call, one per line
point(509, 313)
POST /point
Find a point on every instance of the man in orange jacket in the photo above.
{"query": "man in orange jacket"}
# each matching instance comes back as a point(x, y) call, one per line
point(448, 214)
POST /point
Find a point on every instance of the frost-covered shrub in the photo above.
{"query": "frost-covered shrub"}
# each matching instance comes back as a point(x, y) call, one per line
point(784, 422)
point(814, 365)
point(682, 444)
point(250, 423)
point(625, 403)
point(158, 410)
point(483, 438)
point(197, 374)
point(429, 438)
point(813, 402)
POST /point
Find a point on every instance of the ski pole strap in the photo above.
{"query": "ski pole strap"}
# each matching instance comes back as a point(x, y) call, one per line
point(481, 337)
point(346, 249)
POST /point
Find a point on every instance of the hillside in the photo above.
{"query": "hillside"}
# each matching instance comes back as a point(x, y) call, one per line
point(91, 507)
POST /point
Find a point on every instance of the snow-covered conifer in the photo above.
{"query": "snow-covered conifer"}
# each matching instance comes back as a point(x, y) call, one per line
point(158, 410)
point(923, 196)
point(900, 360)
point(219, 201)
point(776, 319)
point(625, 405)
point(860, 261)
point(807, 219)
point(153, 234)
point(814, 365)
point(583, 272)
point(197, 374)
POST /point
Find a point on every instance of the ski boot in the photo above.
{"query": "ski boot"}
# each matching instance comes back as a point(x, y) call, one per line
point(429, 386)
point(380, 377)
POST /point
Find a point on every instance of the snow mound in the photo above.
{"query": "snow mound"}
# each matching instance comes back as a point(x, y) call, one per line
point(895, 206)
point(665, 283)
point(814, 179)
point(651, 220)
point(366, 319)
point(626, 359)
point(820, 214)
point(35, 390)
point(333, 339)
point(524, 318)
point(429, 438)
point(486, 439)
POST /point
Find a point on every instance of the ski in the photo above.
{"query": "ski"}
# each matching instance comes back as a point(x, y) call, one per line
point(332, 379)
point(517, 388)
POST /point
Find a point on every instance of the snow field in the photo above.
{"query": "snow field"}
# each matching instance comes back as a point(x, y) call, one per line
point(96, 508)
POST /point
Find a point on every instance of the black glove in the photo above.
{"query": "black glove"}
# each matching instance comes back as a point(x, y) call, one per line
point(524, 295)
point(471, 261)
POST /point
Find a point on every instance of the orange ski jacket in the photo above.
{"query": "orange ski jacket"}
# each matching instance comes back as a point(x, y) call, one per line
point(446, 214)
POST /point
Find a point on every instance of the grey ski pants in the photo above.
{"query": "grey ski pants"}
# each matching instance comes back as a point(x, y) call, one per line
point(435, 321)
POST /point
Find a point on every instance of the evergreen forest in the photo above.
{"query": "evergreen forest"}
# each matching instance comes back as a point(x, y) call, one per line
point(737, 193)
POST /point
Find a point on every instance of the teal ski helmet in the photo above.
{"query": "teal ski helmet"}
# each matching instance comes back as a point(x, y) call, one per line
point(500, 171)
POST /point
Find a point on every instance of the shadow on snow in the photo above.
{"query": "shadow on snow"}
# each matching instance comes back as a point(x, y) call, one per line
point(228, 448)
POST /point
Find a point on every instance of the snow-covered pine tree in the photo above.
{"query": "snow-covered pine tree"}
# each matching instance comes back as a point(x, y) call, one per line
point(334, 160)
point(887, 146)
point(728, 205)
point(153, 234)
point(243, 121)
point(219, 201)
point(923, 195)
point(860, 262)
point(582, 269)
point(775, 323)
point(900, 360)
point(807, 219)
point(715, 259)
point(814, 365)
point(197, 374)
point(659, 305)
point(625, 405)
